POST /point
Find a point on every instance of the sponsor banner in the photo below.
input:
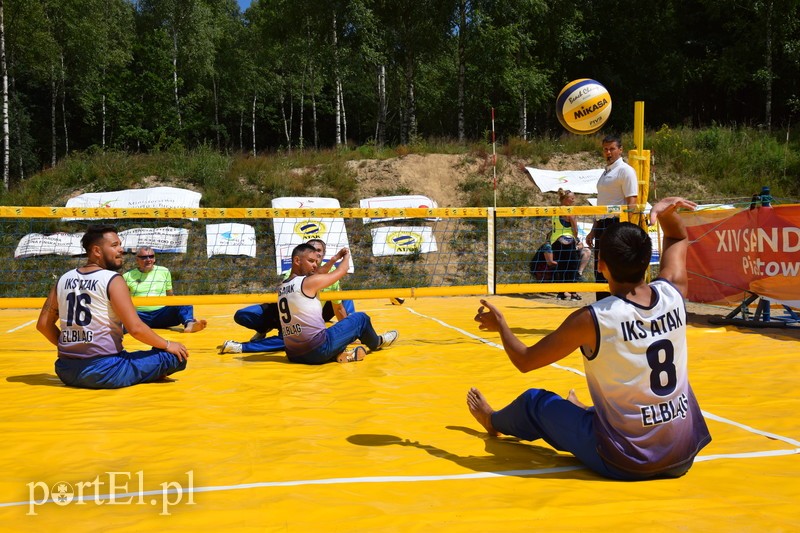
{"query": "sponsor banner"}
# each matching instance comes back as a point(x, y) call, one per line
point(56, 244)
point(733, 251)
point(289, 232)
point(402, 240)
point(581, 181)
point(230, 239)
point(164, 240)
point(393, 202)
point(171, 197)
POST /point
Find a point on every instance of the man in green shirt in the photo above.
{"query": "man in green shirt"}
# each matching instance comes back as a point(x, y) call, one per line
point(147, 279)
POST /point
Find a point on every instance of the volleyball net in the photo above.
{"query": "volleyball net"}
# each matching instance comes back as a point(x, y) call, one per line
point(235, 255)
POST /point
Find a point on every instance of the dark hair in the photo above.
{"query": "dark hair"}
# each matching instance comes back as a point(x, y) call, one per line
point(613, 139)
point(309, 241)
point(301, 249)
point(626, 248)
point(94, 234)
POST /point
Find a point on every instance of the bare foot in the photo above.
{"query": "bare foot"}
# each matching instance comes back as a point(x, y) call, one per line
point(573, 398)
point(194, 326)
point(481, 410)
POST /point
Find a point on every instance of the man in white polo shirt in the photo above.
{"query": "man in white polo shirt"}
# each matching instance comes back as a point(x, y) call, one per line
point(617, 186)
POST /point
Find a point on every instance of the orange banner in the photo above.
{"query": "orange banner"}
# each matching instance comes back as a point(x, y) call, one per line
point(734, 251)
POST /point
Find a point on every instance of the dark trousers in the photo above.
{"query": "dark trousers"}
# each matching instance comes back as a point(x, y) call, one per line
point(599, 228)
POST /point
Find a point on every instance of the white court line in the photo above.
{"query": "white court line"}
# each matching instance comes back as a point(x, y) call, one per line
point(26, 324)
point(382, 479)
point(781, 438)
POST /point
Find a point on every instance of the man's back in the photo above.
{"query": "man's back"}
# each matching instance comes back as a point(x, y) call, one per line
point(89, 326)
point(647, 416)
point(300, 316)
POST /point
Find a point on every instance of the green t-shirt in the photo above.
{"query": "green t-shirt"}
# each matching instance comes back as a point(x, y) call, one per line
point(154, 283)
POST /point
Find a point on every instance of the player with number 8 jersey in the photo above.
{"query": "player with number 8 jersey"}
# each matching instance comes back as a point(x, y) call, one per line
point(645, 421)
point(643, 349)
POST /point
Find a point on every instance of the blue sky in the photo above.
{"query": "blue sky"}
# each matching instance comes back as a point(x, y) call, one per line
point(244, 4)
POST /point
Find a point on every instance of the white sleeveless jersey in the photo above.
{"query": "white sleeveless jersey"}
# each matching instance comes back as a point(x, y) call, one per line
point(646, 416)
point(301, 318)
point(89, 326)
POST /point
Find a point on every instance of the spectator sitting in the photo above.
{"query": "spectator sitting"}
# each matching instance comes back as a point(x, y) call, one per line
point(147, 279)
point(564, 252)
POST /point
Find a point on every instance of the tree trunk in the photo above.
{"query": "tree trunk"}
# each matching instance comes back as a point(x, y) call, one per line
point(302, 108)
point(286, 128)
point(53, 101)
point(4, 71)
point(241, 130)
point(175, 77)
point(18, 129)
point(255, 96)
point(344, 115)
point(411, 105)
point(768, 66)
point(103, 120)
point(337, 84)
point(380, 127)
point(403, 125)
point(216, 108)
point(314, 118)
point(64, 105)
point(523, 116)
point(462, 68)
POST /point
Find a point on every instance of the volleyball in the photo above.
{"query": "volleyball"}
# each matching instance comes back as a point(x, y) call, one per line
point(583, 106)
point(397, 301)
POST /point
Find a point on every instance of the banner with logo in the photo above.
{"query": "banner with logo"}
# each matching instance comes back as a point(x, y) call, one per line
point(171, 197)
point(733, 251)
point(402, 240)
point(230, 238)
point(582, 181)
point(289, 232)
point(164, 240)
point(392, 202)
point(34, 244)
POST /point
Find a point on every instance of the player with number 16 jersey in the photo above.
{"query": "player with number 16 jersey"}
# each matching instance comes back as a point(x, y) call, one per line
point(89, 326)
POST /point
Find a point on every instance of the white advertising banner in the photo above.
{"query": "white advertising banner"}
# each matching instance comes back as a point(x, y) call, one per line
point(56, 244)
point(402, 240)
point(171, 197)
point(393, 202)
point(164, 240)
point(230, 239)
point(289, 232)
point(581, 181)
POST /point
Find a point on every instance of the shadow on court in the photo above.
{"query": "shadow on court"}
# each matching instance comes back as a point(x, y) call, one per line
point(507, 456)
point(264, 358)
point(47, 380)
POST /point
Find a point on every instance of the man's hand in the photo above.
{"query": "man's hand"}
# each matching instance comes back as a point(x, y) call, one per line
point(667, 206)
point(590, 239)
point(490, 320)
point(178, 350)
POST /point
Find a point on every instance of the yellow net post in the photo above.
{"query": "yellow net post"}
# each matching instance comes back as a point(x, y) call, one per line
point(640, 160)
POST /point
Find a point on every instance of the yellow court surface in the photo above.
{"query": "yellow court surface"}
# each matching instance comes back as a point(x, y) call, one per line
point(249, 442)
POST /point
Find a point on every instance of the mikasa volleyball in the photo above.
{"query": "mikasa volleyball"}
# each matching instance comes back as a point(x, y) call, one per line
point(583, 106)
